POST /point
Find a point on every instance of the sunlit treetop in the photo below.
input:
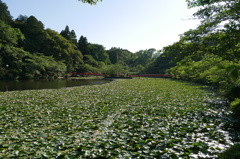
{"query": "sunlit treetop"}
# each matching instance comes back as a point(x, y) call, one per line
point(195, 3)
point(92, 2)
point(216, 10)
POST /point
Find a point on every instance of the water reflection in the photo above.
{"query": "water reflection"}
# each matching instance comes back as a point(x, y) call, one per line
point(47, 84)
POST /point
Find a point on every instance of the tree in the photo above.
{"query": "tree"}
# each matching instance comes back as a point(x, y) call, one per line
point(210, 53)
point(34, 33)
point(17, 63)
point(200, 42)
point(88, 59)
point(160, 65)
point(63, 49)
point(69, 35)
point(83, 45)
point(98, 52)
point(40, 66)
point(21, 18)
point(11, 56)
point(217, 11)
point(219, 30)
point(144, 57)
point(9, 35)
point(4, 13)
point(34, 24)
point(66, 33)
point(114, 70)
point(90, 1)
point(120, 56)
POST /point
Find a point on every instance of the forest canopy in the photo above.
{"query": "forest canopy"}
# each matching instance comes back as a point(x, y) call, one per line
point(210, 53)
point(28, 50)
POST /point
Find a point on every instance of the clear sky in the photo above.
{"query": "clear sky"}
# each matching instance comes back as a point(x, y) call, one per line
point(128, 24)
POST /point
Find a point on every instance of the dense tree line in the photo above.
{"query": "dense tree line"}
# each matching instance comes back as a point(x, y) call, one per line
point(211, 52)
point(28, 50)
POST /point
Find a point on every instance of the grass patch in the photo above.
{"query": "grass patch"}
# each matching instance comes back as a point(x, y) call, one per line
point(148, 118)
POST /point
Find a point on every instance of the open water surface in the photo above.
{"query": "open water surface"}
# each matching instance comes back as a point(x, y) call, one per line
point(46, 84)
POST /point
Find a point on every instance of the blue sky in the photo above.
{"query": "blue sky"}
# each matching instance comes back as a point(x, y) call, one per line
point(128, 24)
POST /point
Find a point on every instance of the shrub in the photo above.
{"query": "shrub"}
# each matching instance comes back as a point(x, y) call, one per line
point(113, 70)
point(235, 106)
point(232, 153)
point(212, 70)
point(232, 92)
point(88, 68)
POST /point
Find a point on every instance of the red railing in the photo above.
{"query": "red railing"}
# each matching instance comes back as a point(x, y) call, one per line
point(152, 75)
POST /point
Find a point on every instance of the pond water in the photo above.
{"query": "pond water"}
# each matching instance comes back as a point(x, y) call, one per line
point(47, 84)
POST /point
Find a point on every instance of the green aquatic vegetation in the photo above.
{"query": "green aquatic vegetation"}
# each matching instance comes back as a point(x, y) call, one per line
point(148, 118)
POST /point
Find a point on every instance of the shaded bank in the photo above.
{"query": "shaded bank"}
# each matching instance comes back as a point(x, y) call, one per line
point(11, 85)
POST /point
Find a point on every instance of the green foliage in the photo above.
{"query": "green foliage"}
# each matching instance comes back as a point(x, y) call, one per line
point(40, 66)
point(234, 72)
point(216, 10)
point(88, 68)
point(18, 63)
point(235, 106)
point(63, 49)
point(143, 57)
point(50, 43)
point(88, 59)
point(4, 13)
point(204, 69)
point(9, 35)
point(24, 43)
point(11, 56)
point(69, 35)
point(210, 53)
point(12, 61)
point(98, 53)
point(92, 2)
point(136, 62)
point(34, 33)
point(198, 43)
point(138, 118)
point(138, 69)
point(114, 70)
point(210, 70)
point(120, 56)
point(232, 153)
point(83, 45)
point(160, 65)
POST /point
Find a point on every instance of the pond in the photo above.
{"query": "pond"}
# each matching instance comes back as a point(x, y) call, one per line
point(46, 84)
